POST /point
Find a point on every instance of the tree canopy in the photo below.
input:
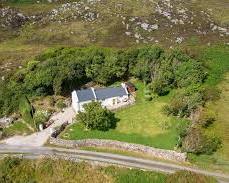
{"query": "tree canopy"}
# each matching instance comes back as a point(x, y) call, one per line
point(59, 71)
point(95, 117)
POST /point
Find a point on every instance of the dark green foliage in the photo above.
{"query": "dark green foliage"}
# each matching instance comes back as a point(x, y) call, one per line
point(105, 66)
point(185, 102)
point(10, 93)
point(97, 118)
point(26, 110)
point(59, 71)
point(189, 177)
point(176, 71)
point(144, 62)
point(188, 73)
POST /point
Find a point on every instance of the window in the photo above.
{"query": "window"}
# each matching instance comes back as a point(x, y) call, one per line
point(113, 101)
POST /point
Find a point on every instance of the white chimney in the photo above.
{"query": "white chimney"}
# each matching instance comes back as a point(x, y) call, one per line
point(124, 86)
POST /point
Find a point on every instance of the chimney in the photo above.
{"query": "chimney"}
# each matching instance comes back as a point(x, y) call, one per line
point(93, 91)
point(124, 86)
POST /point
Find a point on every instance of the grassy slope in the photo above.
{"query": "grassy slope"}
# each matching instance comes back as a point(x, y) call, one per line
point(217, 8)
point(140, 123)
point(45, 170)
point(18, 128)
point(217, 59)
point(31, 40)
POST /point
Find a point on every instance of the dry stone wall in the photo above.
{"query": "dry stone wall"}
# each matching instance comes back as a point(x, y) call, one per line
point(158, 153)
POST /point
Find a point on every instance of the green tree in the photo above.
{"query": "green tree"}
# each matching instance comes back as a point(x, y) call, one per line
point(96, 117)
point(26, 110)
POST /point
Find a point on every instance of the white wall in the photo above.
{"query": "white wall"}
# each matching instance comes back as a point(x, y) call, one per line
point(113, 101)
point(75, 103)
point(78, 106)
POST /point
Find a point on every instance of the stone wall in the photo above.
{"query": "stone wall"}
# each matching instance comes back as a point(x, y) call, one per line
point(158, 153)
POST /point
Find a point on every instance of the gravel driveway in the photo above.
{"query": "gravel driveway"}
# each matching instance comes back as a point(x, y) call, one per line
point(40, 138)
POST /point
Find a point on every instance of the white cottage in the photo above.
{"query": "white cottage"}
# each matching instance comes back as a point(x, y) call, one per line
point(110, 97)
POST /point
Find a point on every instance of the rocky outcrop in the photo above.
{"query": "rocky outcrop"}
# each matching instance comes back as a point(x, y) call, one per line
point(5, 121)
point(10, 18)
point(158, 153)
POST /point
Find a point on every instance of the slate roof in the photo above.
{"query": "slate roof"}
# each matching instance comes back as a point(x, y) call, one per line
point(105, 93)
point(101, 93)
point(85, 95)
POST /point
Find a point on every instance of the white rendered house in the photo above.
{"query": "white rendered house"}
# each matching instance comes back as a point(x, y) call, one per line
point(110, 97)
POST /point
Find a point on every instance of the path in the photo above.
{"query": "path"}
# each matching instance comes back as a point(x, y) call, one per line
point(40, 138)
point(107, 158)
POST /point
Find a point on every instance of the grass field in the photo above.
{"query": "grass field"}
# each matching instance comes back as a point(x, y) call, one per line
point(217, 59)
point(218, 9)
point(142, 123)
point(220, 159)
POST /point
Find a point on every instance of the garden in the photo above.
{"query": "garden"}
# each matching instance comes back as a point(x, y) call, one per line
point(143, 123)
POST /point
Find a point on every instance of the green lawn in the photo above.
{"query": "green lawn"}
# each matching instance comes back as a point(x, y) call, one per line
point(141, 123)
point(18, 128)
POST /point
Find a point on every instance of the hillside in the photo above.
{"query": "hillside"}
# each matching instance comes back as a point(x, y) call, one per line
point(175, 53)
point(28, 27)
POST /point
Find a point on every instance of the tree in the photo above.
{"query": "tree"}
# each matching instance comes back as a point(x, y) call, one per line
point(197, 142)
point(95, 117)
point(26, 110)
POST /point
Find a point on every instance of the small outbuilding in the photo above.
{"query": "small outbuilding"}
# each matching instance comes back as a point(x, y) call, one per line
point(130, 87)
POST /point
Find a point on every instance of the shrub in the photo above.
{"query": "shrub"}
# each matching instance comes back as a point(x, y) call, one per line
point(184, 102)
point(97, 118)
point(211, 94)
point(184, 176)
point(197, 142)
point(206, 117)
point(212, 143)
point(41, 117)
point(182, 129)
point(189, 73)
point(26, 110)
point(60, 104)
point(148, 97)
point(194, 141)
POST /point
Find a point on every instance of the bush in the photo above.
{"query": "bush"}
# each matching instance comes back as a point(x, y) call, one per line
point(194, 141)
point(60, 104)
point(148, 97)
point(26, 110)
point(206, 117)
point(197, 142)
point(212, 143)
point(184, 102)
point(211, 94)
point(184, 176)
point(97, 118)
point(182, 129)
point(41, 117)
